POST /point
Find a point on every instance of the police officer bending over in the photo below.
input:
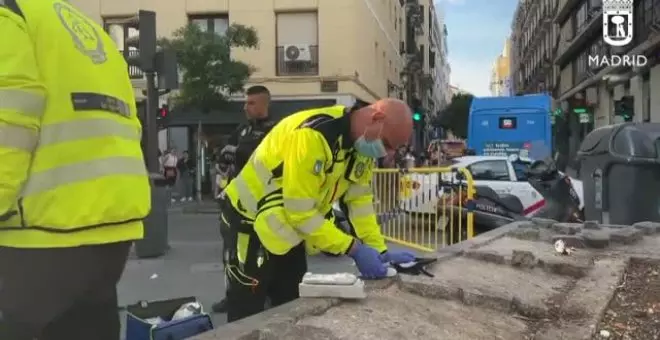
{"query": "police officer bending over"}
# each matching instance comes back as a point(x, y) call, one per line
point(243, 141)
point(281, 197)
point(73, 184)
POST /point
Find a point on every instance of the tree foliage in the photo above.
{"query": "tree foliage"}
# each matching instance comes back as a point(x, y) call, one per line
point(209, 74)
point(455, 116)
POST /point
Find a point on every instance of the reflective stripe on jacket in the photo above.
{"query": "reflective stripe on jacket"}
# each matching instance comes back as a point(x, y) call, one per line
point(302, 166)
point(72, 168)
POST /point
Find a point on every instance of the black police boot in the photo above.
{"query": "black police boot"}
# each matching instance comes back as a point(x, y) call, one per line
point(220, 307)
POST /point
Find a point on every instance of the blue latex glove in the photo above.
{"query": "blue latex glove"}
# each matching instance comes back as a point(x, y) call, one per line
point(397, 257)
point(368, 261)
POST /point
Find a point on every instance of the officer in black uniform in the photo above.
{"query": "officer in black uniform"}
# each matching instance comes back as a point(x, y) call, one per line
point(243, 141)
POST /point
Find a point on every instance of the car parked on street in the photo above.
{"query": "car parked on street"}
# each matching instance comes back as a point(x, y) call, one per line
point(496, 172)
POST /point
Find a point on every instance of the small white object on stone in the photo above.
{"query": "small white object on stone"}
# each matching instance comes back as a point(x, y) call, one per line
point(605, 333)
point(339, 285)
point(560, 247)
point(153, 276)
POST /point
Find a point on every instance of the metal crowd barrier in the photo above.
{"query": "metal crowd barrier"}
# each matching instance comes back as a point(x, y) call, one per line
point(422, 208)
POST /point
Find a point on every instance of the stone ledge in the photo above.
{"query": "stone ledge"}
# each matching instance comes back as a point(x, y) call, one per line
point(285, 314)
point(531, 254)
point(585, 235)
point(481, 284)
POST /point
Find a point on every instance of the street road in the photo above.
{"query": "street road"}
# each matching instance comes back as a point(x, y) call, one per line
point(192, 266)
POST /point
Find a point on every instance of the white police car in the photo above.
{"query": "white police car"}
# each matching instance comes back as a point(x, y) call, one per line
point(496, 172)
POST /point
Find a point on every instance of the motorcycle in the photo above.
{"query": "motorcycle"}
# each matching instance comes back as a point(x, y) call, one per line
point(492, 210)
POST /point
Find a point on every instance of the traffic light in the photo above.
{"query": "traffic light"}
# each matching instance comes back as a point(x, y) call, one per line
point(625, 107)
point(417, 116)
point(140, 48)
point(163, 111)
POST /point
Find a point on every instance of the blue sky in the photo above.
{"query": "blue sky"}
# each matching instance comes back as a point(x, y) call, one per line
point(477, 31)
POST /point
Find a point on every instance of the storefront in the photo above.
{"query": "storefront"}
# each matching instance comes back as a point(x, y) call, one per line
point(182, 128)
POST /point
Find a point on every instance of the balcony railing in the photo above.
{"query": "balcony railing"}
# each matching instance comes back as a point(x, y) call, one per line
point(564, 10)
point(303, 64)
point(134, 72)
point(584, 34)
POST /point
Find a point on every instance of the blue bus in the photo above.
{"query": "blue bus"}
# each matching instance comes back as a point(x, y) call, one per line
point(501, 126)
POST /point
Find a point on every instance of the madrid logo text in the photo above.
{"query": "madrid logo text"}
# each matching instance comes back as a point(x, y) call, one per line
point(617, 32)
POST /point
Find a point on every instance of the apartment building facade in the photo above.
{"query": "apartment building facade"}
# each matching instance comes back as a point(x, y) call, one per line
point(533, 44)
point(596, 88)
point(500, 81)
point(311, 53)
point(442, 70)
point(573, 31)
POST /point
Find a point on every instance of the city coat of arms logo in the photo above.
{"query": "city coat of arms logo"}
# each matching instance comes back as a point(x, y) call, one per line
point(618, 22)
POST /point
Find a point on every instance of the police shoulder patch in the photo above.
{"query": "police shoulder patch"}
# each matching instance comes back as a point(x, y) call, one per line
point(359, 169)
point(83, 31)
point(318, 167)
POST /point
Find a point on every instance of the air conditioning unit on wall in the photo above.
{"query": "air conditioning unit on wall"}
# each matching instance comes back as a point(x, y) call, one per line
point(297, 52)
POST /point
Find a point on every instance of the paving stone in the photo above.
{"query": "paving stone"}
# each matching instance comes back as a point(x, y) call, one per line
point(531, 234)
point(523, 259)
point(487, 285)
point(596, 238)
point(415, 318)
point(572, 330)
point(614, 226)
point(574, 265)
point(586, 302)
point(567, 228)
point(543, 222)
point(627, 235)
point(594, 225)
point(591, 294)
point(648, 227)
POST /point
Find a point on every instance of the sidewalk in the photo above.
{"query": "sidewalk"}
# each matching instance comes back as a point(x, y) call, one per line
point(192, 266)
point(206, 206)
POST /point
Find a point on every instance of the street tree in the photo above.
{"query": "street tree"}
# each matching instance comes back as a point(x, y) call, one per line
point(209, 74)
point(455, 116)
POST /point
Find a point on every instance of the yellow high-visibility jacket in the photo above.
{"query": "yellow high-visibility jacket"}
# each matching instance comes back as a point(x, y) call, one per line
point(72, 171)
point(301, 167)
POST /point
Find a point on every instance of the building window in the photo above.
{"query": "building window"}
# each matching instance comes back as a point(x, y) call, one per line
point(646, 98)
point(118, 32)
point(297, 51)
point(217, 23)
point(581, 17)
point(581, 67)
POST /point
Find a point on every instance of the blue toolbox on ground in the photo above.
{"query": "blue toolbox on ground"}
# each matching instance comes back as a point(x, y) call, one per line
point(154, 321)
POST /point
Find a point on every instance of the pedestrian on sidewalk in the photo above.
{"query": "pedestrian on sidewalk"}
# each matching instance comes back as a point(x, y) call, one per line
point(283, 199)
point(75, 188)
point(242, 144)
point(170, 172)
point(186, 168)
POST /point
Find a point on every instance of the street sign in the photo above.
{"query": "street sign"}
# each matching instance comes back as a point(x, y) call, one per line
point(585, 118)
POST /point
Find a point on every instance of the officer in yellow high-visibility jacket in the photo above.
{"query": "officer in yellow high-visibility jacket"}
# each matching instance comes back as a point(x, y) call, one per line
point(283, 194)
point(73, 185)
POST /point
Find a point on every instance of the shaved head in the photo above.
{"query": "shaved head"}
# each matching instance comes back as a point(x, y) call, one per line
point(388, 119)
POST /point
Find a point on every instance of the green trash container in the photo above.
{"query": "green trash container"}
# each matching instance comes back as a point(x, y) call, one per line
point(155, 242)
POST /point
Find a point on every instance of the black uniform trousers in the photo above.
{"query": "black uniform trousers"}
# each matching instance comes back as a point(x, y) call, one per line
point(61, 293)
point(263, 275)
